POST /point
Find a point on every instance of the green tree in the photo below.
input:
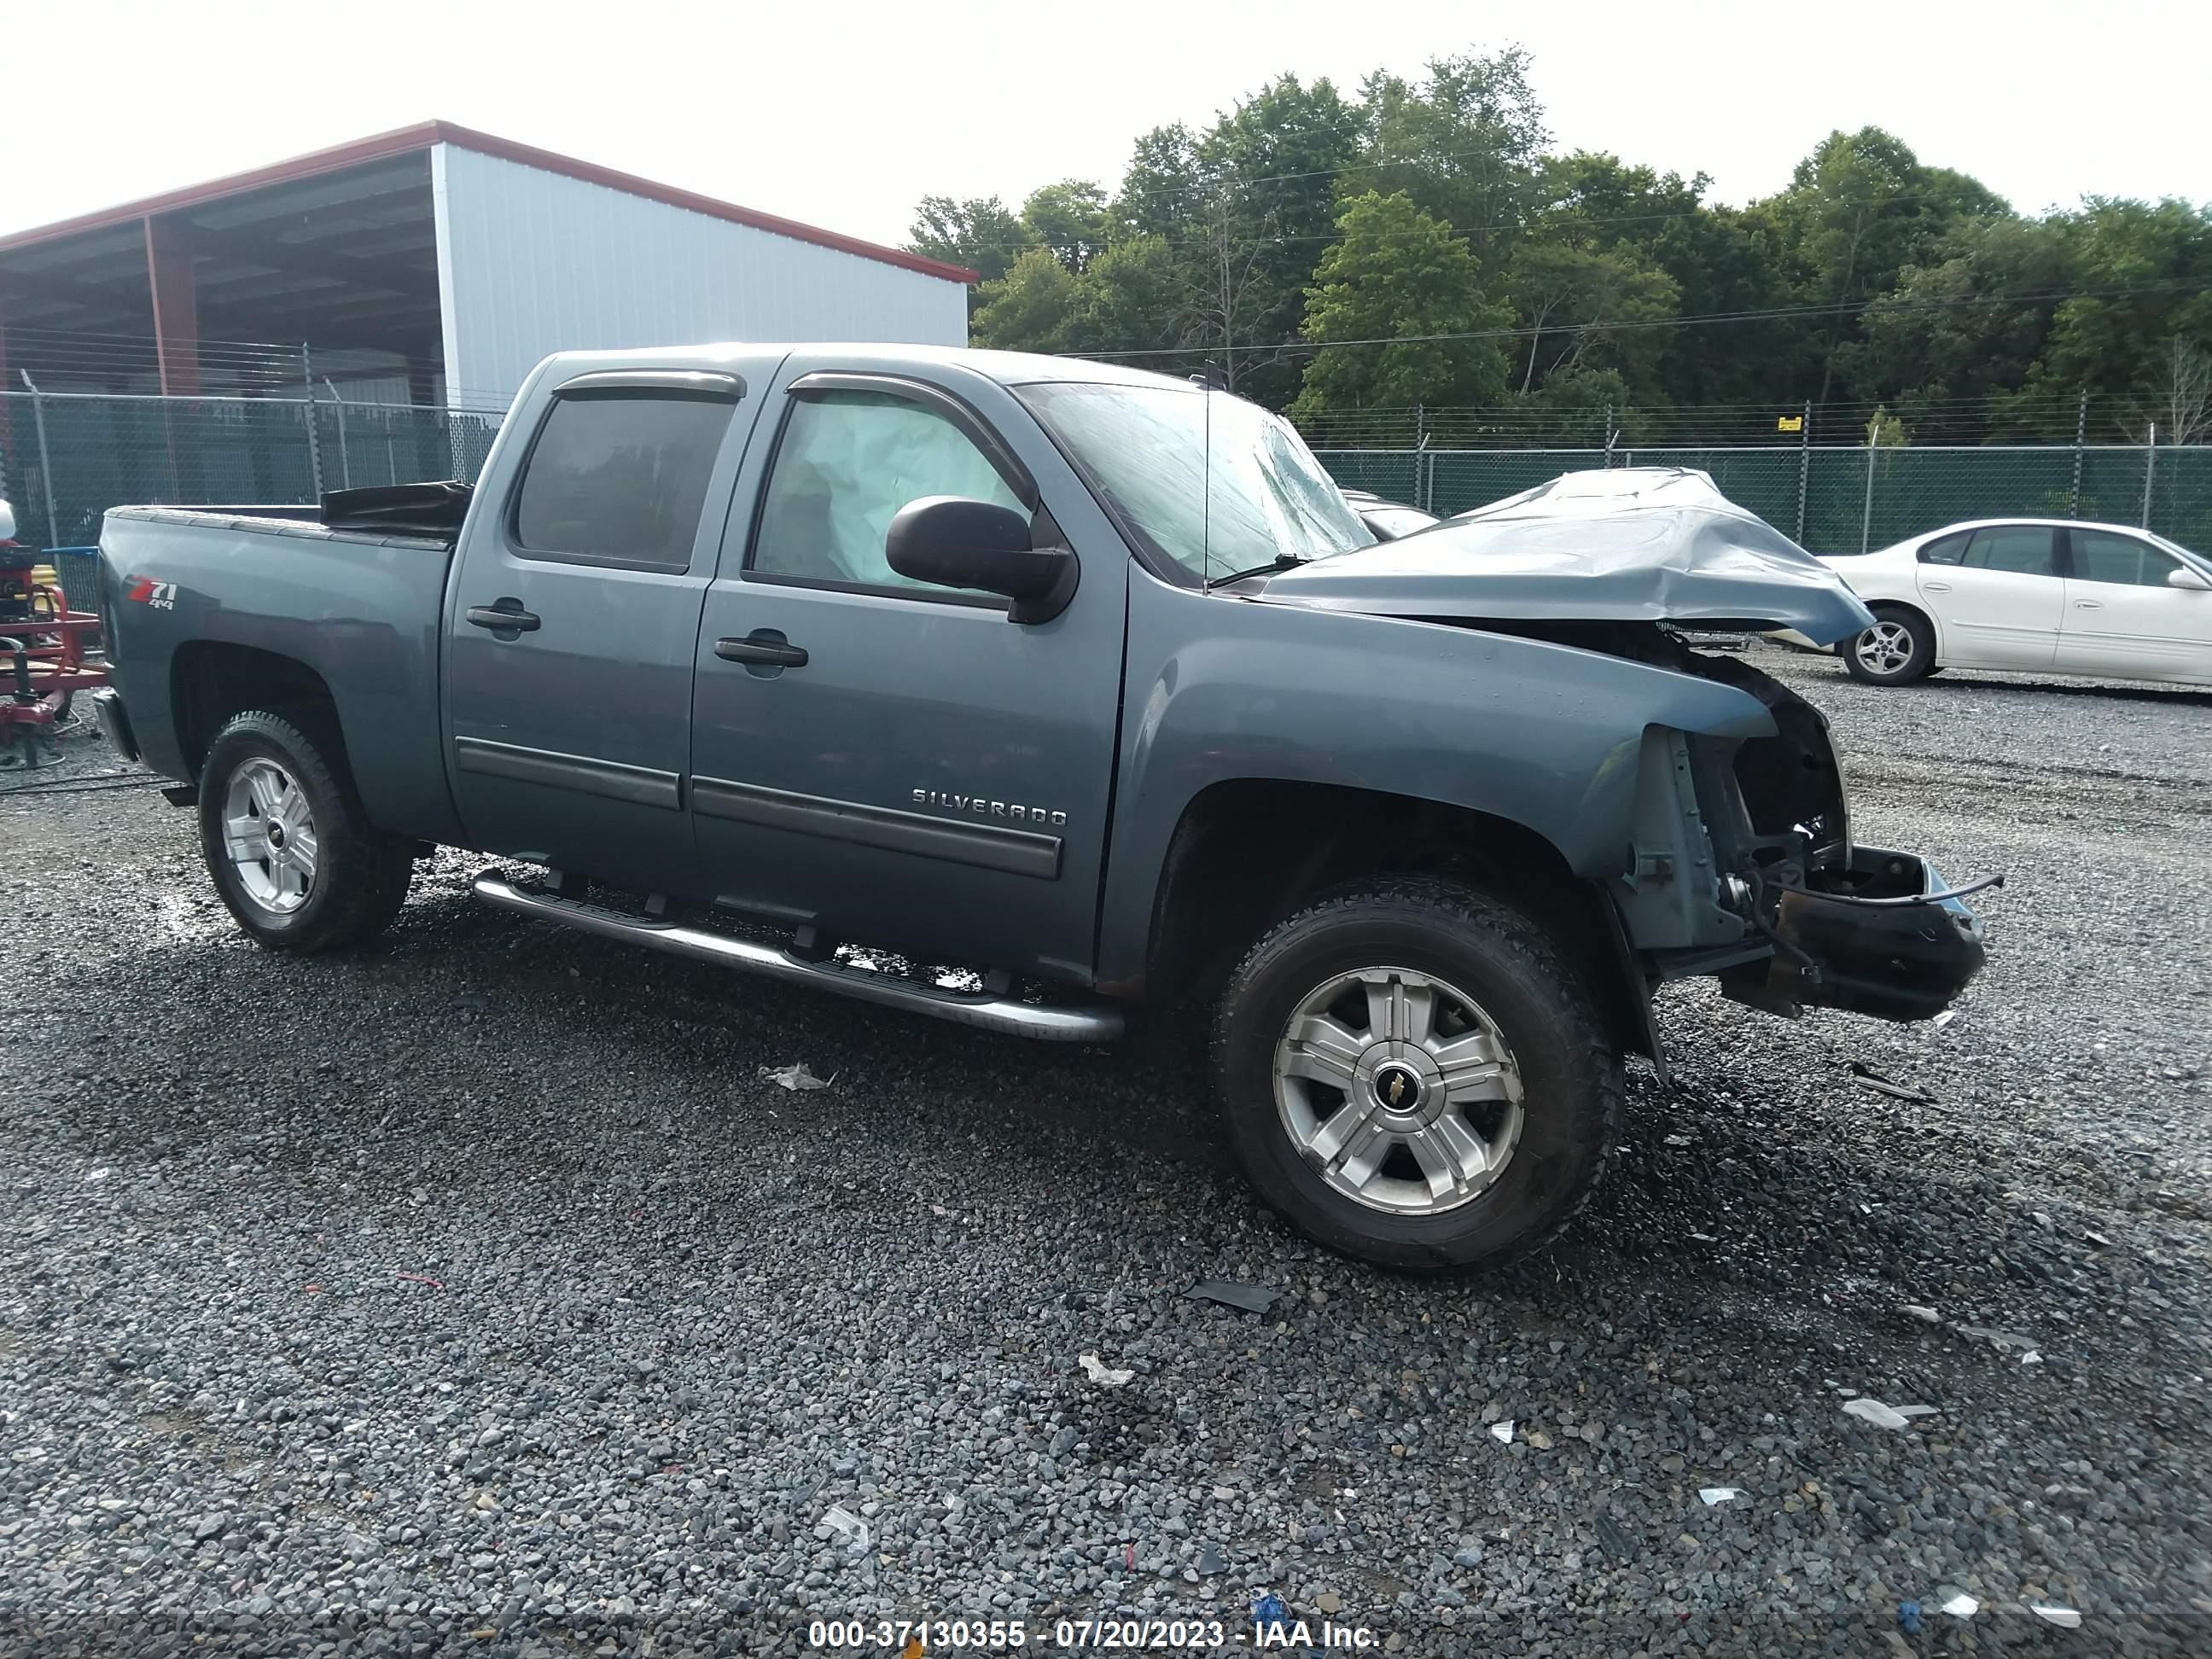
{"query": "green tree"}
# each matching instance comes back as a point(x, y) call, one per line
point(2176, 407)
point(2143, 275)
point(1135, 297)
point(1859, 209)
point(1585, 406)
point(1872, 276)
point(978, 233)
point(1587, 309)
point(1160, 189)
point(1070, 218)
point(1967, 327)
point(1399, 274)
point(1033, 308)
point(1265, 208)
point(1722, 261)
point(1464, 141)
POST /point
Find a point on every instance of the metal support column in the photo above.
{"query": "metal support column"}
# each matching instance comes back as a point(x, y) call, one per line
point(345, 460)
point(169, 260)
point(2081, 437)
point(2150, 472)
point(314, 438)
point(45, 461)
point(1866, 513)
point(1804, 466)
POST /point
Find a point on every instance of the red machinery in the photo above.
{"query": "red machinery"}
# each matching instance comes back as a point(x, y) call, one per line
point(43, 647)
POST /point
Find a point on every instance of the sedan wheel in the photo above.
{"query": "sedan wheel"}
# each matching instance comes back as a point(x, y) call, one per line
point(1884, 649)
point(1899, 647)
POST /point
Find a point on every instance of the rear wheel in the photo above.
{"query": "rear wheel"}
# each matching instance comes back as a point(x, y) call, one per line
point(1413, 1074)
point(1900, 648)
point(286, 841)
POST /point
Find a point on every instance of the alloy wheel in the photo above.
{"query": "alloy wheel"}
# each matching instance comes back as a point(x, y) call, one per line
point(268, 831)
point(1399, 1090)
point(1884, 649)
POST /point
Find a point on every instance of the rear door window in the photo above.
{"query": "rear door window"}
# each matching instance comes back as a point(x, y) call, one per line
point(1946, 549)
point(2022, 550)
point(620, 478)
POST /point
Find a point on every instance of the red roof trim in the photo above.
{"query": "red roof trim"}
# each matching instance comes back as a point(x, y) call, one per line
point(405, 141)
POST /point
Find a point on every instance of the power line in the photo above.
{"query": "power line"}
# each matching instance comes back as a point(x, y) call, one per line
point(1544, 218)
point(1771, 314)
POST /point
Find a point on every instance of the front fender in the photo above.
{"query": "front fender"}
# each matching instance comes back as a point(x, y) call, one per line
point(1547, 736)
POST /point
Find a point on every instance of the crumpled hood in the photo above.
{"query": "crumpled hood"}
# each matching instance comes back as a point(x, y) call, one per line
point(1632, 544)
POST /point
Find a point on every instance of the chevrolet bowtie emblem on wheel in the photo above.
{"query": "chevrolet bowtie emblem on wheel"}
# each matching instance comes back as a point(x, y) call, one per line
point(1396, 1088)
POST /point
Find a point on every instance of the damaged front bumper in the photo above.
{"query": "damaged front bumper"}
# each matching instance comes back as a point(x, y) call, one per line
point(1880, 935)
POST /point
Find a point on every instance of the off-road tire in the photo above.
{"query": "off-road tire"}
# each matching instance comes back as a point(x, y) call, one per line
point(1920, 661)
point(361, 874)
point(1570, 1073)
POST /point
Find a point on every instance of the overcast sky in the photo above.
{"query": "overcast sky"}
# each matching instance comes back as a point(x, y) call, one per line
point(843, 112)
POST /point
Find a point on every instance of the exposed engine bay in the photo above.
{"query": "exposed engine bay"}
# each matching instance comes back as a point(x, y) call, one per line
point(1826, 923)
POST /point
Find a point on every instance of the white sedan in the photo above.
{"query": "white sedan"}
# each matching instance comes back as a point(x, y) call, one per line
point(2038, 596)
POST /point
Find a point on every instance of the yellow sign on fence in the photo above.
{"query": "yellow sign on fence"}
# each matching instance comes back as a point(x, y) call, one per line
point(1790, 423)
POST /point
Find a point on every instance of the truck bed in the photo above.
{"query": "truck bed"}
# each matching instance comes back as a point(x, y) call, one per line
point(361, 608)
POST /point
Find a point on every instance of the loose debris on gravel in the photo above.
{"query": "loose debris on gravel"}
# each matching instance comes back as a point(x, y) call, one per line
point(480, 1292)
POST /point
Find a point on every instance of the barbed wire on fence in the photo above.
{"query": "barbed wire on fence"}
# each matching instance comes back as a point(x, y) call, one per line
point(73, 362)
point(2017, 418)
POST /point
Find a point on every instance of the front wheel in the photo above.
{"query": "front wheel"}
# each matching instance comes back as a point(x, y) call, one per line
point(1897, 649)
point(1413, 1073)
point(286, 841)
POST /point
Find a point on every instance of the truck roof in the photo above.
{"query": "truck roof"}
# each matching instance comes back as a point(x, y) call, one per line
point(1007, 367)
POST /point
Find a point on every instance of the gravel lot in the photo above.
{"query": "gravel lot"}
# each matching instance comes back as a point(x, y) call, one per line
point(478, 1293)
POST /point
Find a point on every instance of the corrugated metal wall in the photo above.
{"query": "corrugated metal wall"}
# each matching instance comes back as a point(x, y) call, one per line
point(530, 261)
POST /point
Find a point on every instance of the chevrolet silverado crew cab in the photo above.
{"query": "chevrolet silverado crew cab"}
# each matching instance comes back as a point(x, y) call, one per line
point(1017, 690)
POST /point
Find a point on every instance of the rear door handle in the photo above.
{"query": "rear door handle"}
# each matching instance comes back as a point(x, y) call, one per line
point(762, 645)
point(2088, 605)
point(503, 616)
point(1934, 587)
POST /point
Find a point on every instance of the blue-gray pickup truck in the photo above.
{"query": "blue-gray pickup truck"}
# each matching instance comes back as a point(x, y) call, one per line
point(1019, 690)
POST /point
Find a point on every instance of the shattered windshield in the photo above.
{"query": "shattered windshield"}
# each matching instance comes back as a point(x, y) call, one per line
point(1144, 448)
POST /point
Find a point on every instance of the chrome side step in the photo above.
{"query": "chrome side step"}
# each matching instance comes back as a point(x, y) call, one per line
point(989, 1013)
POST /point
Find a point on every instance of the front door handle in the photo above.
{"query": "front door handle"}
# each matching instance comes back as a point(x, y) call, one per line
point(1934, 587)
point(2088, 605)
point(762, 645)
point(503, 617)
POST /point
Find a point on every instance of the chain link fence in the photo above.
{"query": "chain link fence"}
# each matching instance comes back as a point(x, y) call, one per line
point(1839, 499)
point(65, 458)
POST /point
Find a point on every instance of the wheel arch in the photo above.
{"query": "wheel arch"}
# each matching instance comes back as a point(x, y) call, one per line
point(212, 682)
point(1247, 852)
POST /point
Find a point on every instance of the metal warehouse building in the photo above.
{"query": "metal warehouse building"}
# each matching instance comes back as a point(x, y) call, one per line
point(431, 266)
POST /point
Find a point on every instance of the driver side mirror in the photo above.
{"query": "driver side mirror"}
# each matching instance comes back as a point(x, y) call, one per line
point(2184, 577)
point(951, 541)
